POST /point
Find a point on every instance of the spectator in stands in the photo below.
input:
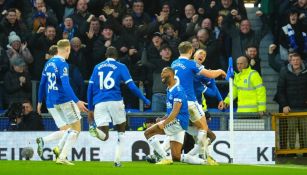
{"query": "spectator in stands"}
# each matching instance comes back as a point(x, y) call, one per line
point(194, 27)
point(93, 32)
point(251, 52)
point(68, 29)
point(171, 17)
point(30, 120)
point(69, 7)
point(248, 88)
point(244, 35)
point(115, 9)
point(275, 60)
point(11, 23)
point(17, 82)
point(212, 48)
point(41, 16)
point(105, 40)
point(292, 97)
point(301, 6)
point(195, 42)
point(16, 49)
point(81, 15)
point(170, 36)
point(158, 88)
point(4, 66)
point(154, 47)
point(293, 36)
point(224, 41)
point(78, 58)
point(39, 46)
point(190, 17)
point(140, 17)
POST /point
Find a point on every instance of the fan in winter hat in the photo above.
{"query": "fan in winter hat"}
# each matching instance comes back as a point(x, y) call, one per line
point(13, 37)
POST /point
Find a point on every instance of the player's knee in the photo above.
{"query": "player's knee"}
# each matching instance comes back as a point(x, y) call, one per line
point(147, 134)
point(212, 136)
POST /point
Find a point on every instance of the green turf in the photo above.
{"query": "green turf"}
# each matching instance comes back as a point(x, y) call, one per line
point(141, 168)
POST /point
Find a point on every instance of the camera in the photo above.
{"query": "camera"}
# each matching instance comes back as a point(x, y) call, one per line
point(14, 111)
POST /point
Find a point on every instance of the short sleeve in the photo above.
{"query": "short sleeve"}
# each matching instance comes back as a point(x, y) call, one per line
point(196, 68)
point(179, 96)
point(63, 72)
point(126, 77)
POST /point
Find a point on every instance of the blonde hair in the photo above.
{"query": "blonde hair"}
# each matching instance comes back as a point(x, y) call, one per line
point(185, 47)
point(63, 44)
point(200, 51)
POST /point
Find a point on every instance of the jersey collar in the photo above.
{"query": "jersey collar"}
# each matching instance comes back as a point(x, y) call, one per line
point(110, 59)
point(171, 89)
point(184, 58)
point(58, 56)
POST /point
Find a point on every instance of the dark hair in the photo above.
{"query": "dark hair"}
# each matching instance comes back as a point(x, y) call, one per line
point(295, 54)
point(251, 46)
point(165, 46)
point(27, 101)
point(136, 1)
point(111, 52)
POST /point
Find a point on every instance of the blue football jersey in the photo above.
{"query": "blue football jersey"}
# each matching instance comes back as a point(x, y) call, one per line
point(185, 71)
point(206, 85)
point(104, 84)
point(177, 94)
point(54, 84)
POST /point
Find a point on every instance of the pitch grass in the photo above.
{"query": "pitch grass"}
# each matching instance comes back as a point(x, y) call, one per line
point(142, 168)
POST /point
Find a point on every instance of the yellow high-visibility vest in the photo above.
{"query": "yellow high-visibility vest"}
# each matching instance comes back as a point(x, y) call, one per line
point(250, 91)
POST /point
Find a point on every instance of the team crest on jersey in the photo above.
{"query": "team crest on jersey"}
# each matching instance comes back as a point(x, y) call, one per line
point(65, 72)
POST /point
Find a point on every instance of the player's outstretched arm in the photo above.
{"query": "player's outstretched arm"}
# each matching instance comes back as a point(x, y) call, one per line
point(68, 90)
point(137, 92)
point(81, 106)
point(41, 93)
point(213, 73)
point(90, 96)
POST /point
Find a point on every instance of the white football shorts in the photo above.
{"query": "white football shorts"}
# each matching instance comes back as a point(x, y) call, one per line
point(174, 131)
point(195, 110)
point(110, 111)
point(65, 113)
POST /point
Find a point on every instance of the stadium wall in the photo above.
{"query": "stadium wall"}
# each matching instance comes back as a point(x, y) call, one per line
point(251, 147)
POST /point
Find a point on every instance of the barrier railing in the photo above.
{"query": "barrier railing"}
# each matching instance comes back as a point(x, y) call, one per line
point(219, 120)
point(290, 132)
point(35, 85)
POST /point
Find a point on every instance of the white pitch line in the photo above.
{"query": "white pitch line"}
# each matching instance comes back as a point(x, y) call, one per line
point(284, 166)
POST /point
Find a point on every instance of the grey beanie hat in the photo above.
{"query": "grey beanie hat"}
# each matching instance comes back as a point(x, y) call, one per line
point(13, 37)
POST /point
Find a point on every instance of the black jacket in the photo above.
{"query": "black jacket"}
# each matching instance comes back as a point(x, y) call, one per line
point(31, 122)
point(39, 46)
point(292, 88)
point(14, 91)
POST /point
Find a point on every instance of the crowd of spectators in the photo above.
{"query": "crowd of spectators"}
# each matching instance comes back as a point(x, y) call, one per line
point(145, 32)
